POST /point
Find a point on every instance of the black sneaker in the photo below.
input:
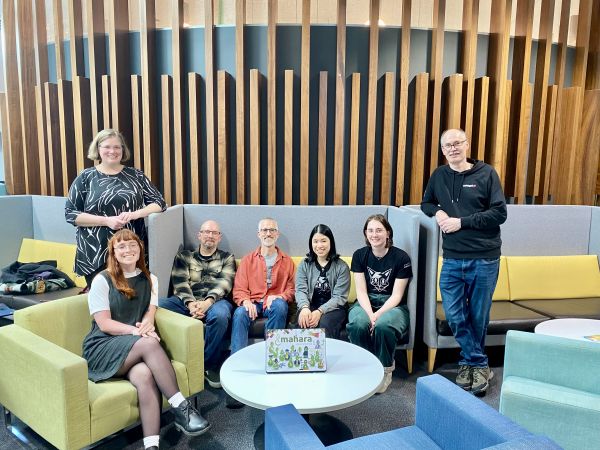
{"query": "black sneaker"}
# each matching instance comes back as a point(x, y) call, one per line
point(213, 378)
point(464, 378)
point(190, 421)
point(481, 380)
point(232, 403)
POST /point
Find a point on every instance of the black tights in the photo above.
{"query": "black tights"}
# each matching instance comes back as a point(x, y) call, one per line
point(149, 369)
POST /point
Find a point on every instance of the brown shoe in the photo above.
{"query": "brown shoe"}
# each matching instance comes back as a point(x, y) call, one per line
point(481, 380)
point(464, 379)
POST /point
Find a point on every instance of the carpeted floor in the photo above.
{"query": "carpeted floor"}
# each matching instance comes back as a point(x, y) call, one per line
point(234, 429)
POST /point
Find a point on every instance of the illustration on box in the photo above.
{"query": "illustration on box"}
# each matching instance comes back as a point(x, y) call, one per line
point(293, 352)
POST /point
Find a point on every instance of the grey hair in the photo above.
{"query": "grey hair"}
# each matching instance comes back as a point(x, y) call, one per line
point(267, 218)
point(452, 129)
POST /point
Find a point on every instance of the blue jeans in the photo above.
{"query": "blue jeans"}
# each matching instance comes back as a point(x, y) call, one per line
point(276, 317)
point(216, 322)
point(467, 286)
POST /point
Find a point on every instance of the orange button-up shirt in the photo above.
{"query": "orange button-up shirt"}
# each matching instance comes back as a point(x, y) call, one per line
point(251, 278)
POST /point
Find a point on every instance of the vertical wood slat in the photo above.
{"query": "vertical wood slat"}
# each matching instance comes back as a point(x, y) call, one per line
point(136, 109)
point(148, 66)
point(548, 144)
point(354, 128)
point(419, 140)
point(305, 103)
point(437, 62)
point(340, 103)
point(166, 84)
point(76, 38)
point(566, 146)
point(209, 83)
point(5, 144)
point(497, 63)
point(118, 45)
point(470, 20)
point(454, 96)
point(40, 109)
point(592, 79)
point(40, 44)
point(52, 126)
point(288, 136)
point(582, 42)
point(178, 126)
point(97, 60)
point(371, 101)
point(67, 133)
point(385, 194)
point(520, 103)
point(82, 119)
point(322, 146)
point(195, 165)
point(540, 89)
point(403, 101)
point(254, 137)
point(223, 136)
point(240, 100)
point(480, 117)
point(57, 14)
point(585, 186)
point(27, 79)
point(271, 101)
point(106, 102)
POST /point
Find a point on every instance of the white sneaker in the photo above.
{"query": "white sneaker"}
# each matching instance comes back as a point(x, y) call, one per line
point(387, 379)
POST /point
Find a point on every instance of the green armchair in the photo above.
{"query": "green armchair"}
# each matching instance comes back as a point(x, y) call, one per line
point(43, 378)
point(551, 387)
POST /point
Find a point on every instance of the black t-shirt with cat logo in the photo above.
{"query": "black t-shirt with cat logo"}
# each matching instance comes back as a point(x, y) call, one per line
point(381, 273)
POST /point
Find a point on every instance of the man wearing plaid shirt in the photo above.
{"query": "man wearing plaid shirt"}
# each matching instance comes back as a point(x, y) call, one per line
point(202, 281)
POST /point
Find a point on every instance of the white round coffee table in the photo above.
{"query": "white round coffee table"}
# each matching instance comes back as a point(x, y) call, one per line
point(569, 328)
point(353, 375)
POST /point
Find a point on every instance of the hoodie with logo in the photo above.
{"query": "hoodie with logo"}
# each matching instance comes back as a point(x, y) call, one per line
point(475, 196)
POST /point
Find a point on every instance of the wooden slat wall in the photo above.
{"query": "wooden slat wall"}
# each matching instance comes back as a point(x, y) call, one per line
point(542, 140)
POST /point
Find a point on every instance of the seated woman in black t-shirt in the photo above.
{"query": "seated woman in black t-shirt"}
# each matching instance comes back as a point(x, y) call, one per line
point(322, 284)
point(379, 320)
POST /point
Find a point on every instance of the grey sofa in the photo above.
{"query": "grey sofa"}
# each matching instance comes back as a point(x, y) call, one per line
point(530, 230)
point(178, 226)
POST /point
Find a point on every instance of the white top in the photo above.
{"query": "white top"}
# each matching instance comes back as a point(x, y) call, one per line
point(353, 375)
point(570, 328)
point(98, 295)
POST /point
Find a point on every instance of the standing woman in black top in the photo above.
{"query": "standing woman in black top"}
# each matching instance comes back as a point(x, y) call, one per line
point(106, 198)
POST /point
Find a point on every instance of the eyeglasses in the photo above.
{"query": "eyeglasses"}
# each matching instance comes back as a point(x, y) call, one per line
point(268, 230)
point(113, 147)
point(125, 247)
point(210, 232)
point(375, 230)
point(456, 144)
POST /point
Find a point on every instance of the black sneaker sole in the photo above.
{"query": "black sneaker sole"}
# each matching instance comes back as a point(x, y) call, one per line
point(213, 384)
point(466, 387)
point(189, 433)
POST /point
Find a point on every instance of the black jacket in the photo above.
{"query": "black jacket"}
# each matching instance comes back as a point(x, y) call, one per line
point(19, 272)
point(475, 196)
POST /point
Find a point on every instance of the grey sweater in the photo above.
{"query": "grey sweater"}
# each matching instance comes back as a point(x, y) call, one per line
point(339, 279)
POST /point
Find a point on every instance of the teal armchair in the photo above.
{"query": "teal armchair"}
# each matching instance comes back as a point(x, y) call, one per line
point(43, 378)
point(551, 386)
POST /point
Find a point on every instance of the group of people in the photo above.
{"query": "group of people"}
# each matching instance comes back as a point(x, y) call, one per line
point(108, 203)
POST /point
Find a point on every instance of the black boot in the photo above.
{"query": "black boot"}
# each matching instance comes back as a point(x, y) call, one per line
point(190, 421)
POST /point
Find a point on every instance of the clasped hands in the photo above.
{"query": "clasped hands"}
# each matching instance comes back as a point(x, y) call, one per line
point(198, 308)
point(251, 306)
point(145, 329)
point(118, 222)
point(446, 223)
point(308, 318)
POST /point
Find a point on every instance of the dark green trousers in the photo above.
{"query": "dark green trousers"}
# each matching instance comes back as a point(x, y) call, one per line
point(390, 328)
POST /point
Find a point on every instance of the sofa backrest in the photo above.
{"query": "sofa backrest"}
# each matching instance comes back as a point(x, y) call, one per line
point(65, 322)
point(553, 277)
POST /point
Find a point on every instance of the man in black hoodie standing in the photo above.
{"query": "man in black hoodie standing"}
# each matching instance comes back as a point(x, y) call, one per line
point(467, 201)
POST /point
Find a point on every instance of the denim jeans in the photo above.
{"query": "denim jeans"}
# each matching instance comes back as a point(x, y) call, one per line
point(467, 286)
point(216, 322)
point(276, 317)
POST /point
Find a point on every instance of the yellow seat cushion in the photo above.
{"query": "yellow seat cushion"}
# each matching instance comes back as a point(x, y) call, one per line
point(553, 277)
point(502, 292)
point(34, 250)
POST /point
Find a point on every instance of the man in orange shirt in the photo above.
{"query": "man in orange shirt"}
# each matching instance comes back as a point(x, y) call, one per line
point(263, 286)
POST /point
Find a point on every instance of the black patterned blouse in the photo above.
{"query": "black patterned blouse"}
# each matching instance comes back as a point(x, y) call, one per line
point(106, 195)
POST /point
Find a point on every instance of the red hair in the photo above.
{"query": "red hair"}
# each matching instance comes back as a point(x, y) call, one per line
point(114, 269)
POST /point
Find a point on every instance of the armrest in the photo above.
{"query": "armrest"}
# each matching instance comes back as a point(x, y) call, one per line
point(527, 443)
point(446, 413)
point(183, 339)
point(286, 429)
point(544, 358)
point(45, 386)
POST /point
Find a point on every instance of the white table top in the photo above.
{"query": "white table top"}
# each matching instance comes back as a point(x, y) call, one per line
point(569, 328)
point(353, 375)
